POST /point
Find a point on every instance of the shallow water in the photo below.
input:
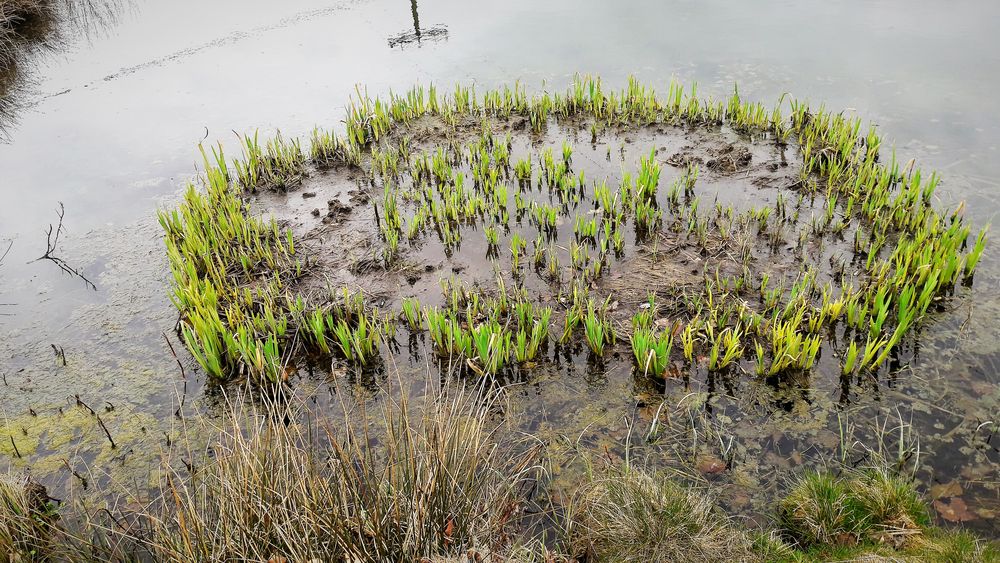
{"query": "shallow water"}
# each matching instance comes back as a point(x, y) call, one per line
point(113, 121)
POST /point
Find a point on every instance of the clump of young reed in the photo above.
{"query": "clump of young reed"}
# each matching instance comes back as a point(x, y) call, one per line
point(229, 268)
point(487, 331)
point(231, 272)
point(909, 255)
point(597, 328)
point(279, 164)
point(897, 285)
point(651, 347)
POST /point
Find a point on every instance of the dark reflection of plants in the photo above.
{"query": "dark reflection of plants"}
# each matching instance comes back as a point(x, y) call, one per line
point(30, 28)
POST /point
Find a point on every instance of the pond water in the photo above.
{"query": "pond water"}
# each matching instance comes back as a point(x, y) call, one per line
point(111, 122)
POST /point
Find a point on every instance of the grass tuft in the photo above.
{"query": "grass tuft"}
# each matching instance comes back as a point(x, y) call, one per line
point(870, 505)
point(632, 515)
point(437, 485)
point(26, 518)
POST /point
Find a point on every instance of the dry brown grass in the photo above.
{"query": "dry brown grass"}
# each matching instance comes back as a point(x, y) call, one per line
point(25, 518)
point(16, 17)
point(428, 486)
point(632, 515)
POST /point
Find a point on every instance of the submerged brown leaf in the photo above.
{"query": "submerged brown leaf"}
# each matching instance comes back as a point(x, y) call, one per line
point(710, 465)
point(946, 490)
point(955, 511)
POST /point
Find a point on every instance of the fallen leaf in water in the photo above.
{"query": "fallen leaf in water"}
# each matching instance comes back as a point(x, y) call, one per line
point(945, 490)
point(955, 511)
point(982, 388)
point(740, 500)
point(828, 439)
point(710, 465)
point(973, 472)
point(986, 514)
point(645, 397)
point(674, 372)
point(776, 460)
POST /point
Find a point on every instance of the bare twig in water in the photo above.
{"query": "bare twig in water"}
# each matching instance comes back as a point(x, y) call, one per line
point(83, 480)
point(60, 353)
point(52, 242)
point(10, 244)
point(177, 412)
point(80, 403)
point(106, 432)
point(174, 354)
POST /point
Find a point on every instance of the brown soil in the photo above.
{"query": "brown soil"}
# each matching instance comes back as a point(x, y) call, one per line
point(333, 215)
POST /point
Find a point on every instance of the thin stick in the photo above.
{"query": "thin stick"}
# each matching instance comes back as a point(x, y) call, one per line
point(80, 403)
point(6, 252)
point(51, 244)
point(106, 432)
point(174, 354)
point(83, 480)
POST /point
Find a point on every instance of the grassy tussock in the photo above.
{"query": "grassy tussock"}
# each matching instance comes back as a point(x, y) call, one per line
point(871, 515)
point(635, 516)
point(857, 507)
point(958, 547)
point(14, 14)
point(437, 486)
point(25, 517)
point(17, 17)
point(30, 21)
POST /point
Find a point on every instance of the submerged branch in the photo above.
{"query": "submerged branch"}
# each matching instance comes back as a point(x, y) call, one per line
point(10, 244)
point(52, 243)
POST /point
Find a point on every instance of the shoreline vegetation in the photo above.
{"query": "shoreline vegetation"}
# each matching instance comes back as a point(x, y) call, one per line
point(871, 259)
point(444, 483)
